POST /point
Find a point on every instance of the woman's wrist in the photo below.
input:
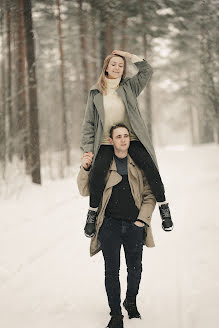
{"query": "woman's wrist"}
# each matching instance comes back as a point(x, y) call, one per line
point(129, 56)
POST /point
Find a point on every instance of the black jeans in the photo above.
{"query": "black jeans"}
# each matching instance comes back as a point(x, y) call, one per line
point(114, 233)
point(141, 158)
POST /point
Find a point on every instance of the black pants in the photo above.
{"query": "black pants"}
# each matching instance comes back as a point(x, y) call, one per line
point(142, 159)
point(114, 233)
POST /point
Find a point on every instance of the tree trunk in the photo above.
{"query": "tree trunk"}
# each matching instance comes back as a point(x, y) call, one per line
point(94, 46)
point(63, 98)
point(210, 108)
point(105, 34)
point(190, 111)
point(211, 64)
point(84, 49)
point(2, 101)
point(196, 125)
point(124, 35)
point(9, 74)
point(108, 35)
point(102, 36)
point(32, 88)
point(22, 132)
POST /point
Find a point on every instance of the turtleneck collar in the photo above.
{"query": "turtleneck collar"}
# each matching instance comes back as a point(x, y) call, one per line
point(113, 83)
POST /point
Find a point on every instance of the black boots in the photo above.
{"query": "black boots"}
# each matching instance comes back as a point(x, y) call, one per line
point(116, 321)
point(131, 308)
point(129, 304)
point(90, 227)
point(167, 223)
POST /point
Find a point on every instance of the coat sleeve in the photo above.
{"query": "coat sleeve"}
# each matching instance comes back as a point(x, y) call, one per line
point(87, 132)
point(82, 181)
point(148, 203)
point(139, 81)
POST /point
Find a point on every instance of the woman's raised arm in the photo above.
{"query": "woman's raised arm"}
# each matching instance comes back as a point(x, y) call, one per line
point(138, 81)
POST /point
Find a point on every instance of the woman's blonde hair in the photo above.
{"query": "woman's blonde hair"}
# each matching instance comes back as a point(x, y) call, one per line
point(102, 79)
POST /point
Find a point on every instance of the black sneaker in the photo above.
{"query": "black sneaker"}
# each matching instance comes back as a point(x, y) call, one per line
point(131, 308)
point(90, 227)
point(167, 223)
point(116, 321)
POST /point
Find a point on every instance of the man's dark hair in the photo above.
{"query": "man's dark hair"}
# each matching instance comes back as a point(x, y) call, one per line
point(119, 125)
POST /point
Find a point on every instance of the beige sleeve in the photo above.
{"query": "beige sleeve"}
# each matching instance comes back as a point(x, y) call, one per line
point(135, 59)
point(82, 181)
point(148, 203)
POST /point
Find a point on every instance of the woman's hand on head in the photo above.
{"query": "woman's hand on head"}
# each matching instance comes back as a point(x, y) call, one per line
point(122, 53)
point(87, 159)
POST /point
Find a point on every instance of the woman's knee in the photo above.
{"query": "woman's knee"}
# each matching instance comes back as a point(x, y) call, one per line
point(102, 163)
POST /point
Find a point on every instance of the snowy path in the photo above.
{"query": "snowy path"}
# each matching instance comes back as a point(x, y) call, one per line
point(47, 278)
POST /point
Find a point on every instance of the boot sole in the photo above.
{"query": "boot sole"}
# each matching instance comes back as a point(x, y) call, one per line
point(89, 236)
point(129, 315)
point(170, 229)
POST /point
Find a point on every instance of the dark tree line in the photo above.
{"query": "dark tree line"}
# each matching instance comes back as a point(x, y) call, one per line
point(52, 52)
point(19, 122)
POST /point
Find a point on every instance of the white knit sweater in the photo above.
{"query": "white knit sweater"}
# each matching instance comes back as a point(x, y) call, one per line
point(114, 108)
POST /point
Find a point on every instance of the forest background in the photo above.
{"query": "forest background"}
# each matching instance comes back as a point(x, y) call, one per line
point(51, 53)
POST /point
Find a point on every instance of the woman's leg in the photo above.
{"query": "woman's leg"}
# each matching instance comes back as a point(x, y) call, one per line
point(98, 174)
point(96, 185)
point(144, 161)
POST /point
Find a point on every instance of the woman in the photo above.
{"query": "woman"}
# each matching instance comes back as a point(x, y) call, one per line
point(111, 101)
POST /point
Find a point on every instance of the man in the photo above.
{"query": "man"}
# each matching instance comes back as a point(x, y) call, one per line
point(124, 219)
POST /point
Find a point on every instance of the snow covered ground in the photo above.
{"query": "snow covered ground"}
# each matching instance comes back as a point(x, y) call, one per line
point(47, 278)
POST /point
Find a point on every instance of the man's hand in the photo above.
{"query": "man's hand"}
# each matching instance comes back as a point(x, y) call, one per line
point(139, 224)
point(86, 160)
point(122, 53)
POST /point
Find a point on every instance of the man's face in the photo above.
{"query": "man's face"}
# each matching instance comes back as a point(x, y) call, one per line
point(120, 139)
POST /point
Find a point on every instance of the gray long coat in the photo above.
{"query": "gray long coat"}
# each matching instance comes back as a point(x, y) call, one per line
point(129, 89)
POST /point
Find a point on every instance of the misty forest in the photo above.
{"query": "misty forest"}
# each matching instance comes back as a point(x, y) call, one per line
point(52, 52)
